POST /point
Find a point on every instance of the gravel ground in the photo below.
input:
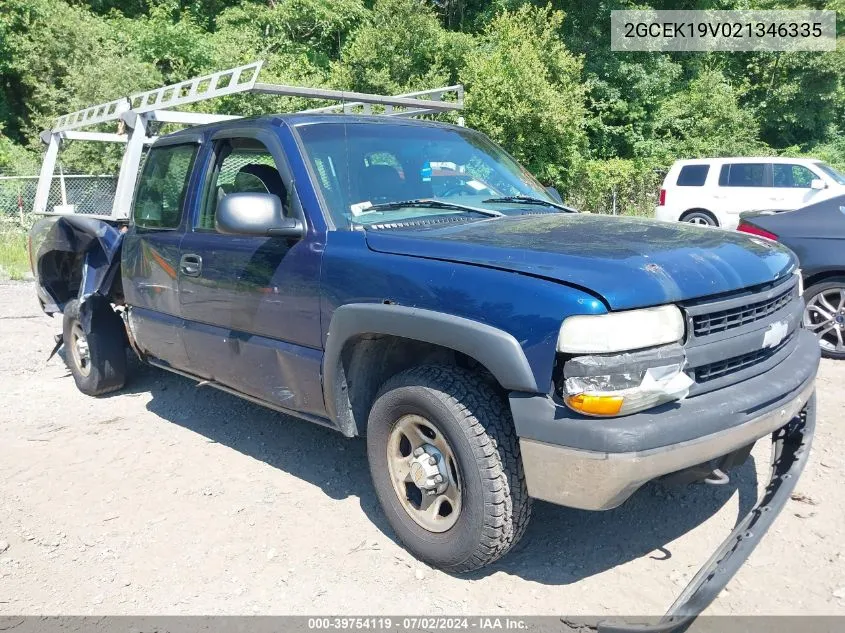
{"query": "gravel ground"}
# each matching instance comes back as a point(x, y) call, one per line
point(172, 499)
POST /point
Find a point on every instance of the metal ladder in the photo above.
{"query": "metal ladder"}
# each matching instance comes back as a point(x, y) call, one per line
point(134, 113)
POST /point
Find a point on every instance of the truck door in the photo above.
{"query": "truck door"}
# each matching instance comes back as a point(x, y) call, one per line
point(251, 303)
point(150, 252)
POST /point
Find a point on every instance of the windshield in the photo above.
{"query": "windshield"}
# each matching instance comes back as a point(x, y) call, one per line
point(833, 173)
point(363, 168)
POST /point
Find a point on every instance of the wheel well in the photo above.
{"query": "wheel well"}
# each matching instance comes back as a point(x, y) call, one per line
point(60, 274)
point(369, 360)
point(704, 211)
point(823, 276)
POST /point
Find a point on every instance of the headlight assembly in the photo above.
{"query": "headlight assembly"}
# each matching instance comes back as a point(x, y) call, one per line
point(626, 393)
point(621, 331)
point(613, 384)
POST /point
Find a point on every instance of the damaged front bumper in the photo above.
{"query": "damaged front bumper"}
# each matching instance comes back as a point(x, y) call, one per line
point(600, 480)
point(790, 449)
point(596, 464)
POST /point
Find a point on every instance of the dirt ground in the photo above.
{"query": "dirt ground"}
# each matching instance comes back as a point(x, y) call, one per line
point(173, 499)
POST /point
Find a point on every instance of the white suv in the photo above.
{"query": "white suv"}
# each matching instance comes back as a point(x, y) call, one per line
point(714, 191)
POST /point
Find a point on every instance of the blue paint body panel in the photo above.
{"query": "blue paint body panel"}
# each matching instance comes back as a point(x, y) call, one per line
point(257, 318)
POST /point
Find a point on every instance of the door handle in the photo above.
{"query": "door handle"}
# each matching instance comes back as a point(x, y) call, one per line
point(191, 265)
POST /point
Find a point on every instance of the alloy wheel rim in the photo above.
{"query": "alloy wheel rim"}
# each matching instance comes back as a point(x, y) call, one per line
point(699, 220)
point(79, 349)
point(824, 316)
point(424, 473)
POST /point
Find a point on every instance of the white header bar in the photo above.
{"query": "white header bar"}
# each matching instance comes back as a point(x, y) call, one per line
point(711, 30)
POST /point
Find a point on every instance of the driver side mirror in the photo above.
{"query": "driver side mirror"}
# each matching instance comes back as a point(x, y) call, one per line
point(254, 213)
point(818, 184)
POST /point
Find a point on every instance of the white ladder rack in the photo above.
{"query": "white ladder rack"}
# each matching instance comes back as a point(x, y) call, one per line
point(137, 110)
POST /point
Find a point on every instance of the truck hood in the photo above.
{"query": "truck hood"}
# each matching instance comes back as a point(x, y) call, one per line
point(629, 262)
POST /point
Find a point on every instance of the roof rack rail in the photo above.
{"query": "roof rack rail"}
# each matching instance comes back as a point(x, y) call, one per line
point(137, 110)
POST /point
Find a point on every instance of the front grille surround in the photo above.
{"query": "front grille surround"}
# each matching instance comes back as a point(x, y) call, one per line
point(731, 318)
point(717, 369)
point(726, 338)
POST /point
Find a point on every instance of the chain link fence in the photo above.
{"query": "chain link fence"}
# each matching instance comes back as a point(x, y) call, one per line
point(78, 193)
point(616, 187)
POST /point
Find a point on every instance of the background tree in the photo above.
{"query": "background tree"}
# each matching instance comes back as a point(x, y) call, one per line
point(540, 78)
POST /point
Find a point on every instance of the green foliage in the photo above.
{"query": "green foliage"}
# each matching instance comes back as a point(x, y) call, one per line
point(524, 92)
point(166, 39)
point(14, 260)
point(540, 79)
point(633, 184)
point(47, 44)
point(401, 47)
point(702, 119)
point(16, 160)
point(793, 96)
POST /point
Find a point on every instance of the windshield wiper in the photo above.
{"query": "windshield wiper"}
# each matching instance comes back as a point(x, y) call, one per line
point(530, 200)
point(429, 203)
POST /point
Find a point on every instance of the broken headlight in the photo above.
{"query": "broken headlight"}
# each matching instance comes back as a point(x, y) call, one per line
point(621, 384)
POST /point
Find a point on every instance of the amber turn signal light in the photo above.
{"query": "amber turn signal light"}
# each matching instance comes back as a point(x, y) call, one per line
point(595, 405)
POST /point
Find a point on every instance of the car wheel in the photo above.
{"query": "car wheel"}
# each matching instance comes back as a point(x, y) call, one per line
point(702, 218)
point(445, 463)
point(824, 316)
point(97, 360)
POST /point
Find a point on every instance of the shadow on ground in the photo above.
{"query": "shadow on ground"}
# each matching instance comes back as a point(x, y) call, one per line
point(561, 545)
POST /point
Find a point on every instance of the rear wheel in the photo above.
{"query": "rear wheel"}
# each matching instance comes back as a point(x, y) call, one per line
point(824, 316)
point(702, 218)
point(97, 360)
point(446, 467)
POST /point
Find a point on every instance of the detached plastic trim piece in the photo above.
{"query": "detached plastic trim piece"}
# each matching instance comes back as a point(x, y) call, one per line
point(790, 449)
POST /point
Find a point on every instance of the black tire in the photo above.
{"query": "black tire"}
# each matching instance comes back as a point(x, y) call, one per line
point(813, 321)
point(476, 422)
point(702, 218)
point(105, 369)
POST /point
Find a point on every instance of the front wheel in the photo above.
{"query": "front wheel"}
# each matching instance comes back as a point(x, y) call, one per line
point(824, 316)
point(446, 466)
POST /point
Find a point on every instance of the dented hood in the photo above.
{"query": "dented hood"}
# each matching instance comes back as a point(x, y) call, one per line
point(629, 262)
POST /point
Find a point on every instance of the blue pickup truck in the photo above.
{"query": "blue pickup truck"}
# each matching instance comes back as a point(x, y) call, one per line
point(409, 282)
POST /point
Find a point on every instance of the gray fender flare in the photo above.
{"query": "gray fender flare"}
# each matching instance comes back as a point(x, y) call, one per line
point(497, 350)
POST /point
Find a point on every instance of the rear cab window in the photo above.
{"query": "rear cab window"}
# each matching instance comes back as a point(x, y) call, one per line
point(163, 186)
point(744, 175)
point(692, 175)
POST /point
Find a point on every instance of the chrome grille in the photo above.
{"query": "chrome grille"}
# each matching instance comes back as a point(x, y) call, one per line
point(722, 320)
point(737, 363)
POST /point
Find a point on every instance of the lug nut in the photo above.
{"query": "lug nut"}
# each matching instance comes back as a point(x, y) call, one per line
point(418, 451)
point(431, 460)
point(438, 479)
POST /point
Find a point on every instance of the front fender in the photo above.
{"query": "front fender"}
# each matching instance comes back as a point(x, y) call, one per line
point(497, 350)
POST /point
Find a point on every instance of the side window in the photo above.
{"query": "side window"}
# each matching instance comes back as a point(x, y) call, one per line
point(693, 175)
point(163, 185)
point(241, 166)
point(794, 176)
point(743, 175)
